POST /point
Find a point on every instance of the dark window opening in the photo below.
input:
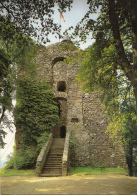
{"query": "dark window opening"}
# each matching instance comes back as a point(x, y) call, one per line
point(58, 59)
point(74, 120)
point(61, 86)
point(62, 131)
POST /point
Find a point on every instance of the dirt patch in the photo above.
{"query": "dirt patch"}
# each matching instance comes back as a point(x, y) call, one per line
point(87, 184)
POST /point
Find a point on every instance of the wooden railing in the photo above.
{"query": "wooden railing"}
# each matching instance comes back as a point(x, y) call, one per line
point(43, 154)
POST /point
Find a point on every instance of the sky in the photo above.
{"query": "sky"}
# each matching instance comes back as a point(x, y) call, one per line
point(9, 140)
point(71, 17)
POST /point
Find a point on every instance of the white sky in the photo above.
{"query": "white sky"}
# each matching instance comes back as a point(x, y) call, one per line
point(9, 140)
point(71, 17)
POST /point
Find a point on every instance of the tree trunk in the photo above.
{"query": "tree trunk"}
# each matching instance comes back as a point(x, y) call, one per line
point(125, 64)
point(134, 33)
point(129, 70)
point(130, 159)
point(135, 90)
point(134, 44)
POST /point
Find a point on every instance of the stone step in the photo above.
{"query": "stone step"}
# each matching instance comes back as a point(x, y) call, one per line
point(57, 146)
point(54, 154)
point(51, 169)
point(53, 164)
point(54, 151)
point(58, 140)
point(55, 157)
point(51, 174)
point(45, 169)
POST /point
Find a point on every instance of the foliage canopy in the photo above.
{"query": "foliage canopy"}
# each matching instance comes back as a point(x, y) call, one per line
point(110, 66)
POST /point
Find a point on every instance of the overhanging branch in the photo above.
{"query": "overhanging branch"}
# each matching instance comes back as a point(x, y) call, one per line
point(125, 64)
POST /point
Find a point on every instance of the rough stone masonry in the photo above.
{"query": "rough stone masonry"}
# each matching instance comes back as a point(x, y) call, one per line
point(80, 112)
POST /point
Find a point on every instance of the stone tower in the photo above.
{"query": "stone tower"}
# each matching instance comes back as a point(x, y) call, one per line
point(80, 112)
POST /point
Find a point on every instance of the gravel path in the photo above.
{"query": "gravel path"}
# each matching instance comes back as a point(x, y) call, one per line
point(87, 184)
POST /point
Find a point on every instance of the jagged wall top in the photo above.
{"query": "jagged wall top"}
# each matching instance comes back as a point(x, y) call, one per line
point(65, 48)
point(47, 56)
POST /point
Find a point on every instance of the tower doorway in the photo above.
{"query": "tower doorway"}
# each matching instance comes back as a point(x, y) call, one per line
point(62, 132)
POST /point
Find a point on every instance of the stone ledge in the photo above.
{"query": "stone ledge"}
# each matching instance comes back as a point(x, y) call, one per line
point(60, 95)
point(43, 154)
point(65, 155)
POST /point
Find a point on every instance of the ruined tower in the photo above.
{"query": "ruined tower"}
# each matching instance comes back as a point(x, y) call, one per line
point(80, 112)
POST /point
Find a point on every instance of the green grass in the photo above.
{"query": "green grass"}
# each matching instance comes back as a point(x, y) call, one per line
point(72, 171)
point(11, 172)
point(96, 171)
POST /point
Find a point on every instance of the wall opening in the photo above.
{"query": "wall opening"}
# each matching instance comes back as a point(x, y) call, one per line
point(74, 120)
point(62, 132)
point(58, 59)
point(61, 86)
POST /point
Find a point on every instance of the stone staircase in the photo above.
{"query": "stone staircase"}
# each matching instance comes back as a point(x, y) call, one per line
point(53, 163)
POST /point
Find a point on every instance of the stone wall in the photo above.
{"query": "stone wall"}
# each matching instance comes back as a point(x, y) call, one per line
point(80, 112)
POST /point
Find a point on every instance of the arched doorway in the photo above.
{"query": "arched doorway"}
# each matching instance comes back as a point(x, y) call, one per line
point(62, 132)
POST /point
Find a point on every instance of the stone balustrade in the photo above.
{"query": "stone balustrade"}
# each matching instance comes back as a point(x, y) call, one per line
point(65, 160)
point(43, 154)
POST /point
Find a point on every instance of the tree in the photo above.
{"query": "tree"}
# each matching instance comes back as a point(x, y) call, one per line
point(100, 72)
point(123, 128)
point(32, 18)
point(117, 22)
point(20, 20)
point(5, 89)
point(16, 51)
point(108, 66)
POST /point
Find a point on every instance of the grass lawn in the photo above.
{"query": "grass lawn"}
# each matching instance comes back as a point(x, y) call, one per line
point(72, 171)
point(96, 171)
point(11, 172)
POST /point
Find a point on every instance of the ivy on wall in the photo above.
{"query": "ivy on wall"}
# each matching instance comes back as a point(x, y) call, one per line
point(36, 113)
